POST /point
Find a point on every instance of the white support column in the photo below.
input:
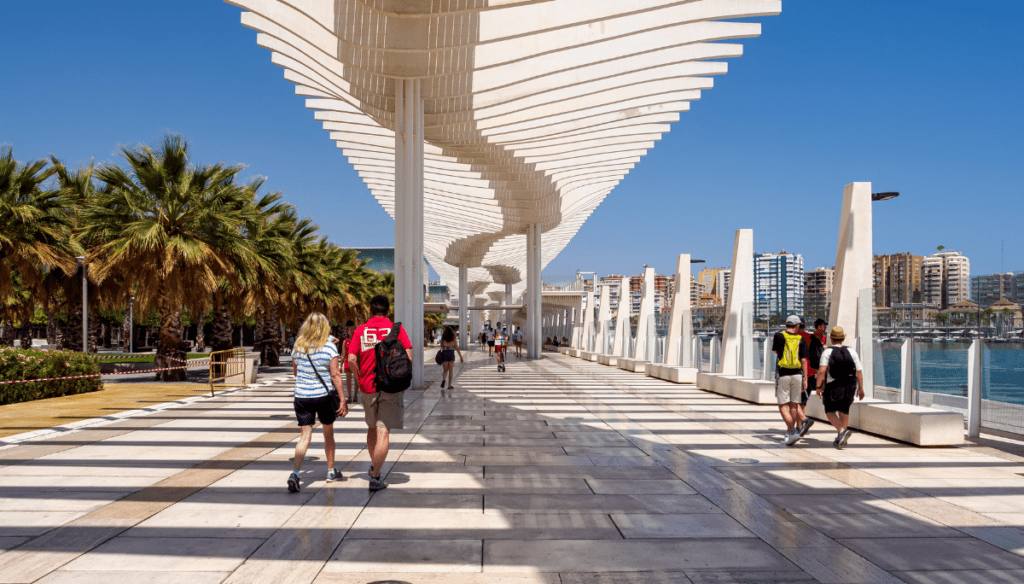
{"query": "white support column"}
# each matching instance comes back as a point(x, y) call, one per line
point(646, 312)
point(907, 372)
point(463, 307)
point(746, 357)
point(409, 218)
point(716, 363)
point(584, 319)
point(767, 367)
point(507, 314)
point(533, 285)
point(865, 316)
point(854, 271)
point(604, 317)
point(621, 319)
point(741, 291)
point(974, 373)
point(680, 327)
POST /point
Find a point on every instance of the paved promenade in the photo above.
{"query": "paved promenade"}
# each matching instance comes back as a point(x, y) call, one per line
point(558, 472)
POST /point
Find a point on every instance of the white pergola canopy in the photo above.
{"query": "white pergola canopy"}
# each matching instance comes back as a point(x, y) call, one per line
point(534, 110)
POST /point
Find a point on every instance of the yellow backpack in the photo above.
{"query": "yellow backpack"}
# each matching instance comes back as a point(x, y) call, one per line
point(791, 354)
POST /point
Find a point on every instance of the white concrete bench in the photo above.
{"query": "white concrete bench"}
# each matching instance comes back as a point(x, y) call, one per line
point(564, 350)
point(609, 360)
point(749, 390)
point(672, 373)
point(904, 422)
point(589, 355)
point(634, 365)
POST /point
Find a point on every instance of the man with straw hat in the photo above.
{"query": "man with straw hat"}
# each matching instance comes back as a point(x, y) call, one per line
point(843, 377)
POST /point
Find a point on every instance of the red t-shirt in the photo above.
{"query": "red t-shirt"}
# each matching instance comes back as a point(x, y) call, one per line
point(364, 339)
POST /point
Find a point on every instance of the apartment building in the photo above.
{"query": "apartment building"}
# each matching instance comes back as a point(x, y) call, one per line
point(946, 279)
point(818, 285)
point(897, 279)
point(662, 295)
point(716, 281)
point(778, 284)
point(987, 290)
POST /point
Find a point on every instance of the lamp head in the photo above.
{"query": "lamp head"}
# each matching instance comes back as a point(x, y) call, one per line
point(884, 196)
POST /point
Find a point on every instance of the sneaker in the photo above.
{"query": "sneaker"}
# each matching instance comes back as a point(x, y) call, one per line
point(334, 475)
point(806, 427)
point(793, 438)
point(835, 443)
point(377, 484)
point(844, 437)
point(442, 384)
point(293, 482)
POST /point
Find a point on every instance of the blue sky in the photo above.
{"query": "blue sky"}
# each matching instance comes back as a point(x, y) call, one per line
point(919, 97)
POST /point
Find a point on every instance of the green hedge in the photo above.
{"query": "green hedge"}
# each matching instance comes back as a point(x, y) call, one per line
point(33, 364)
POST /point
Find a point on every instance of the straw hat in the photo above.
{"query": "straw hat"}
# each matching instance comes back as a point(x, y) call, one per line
point(837, 334)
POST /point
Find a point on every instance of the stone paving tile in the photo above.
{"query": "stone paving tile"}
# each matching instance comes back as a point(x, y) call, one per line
point(122, 577)
point(678, 526)
point(961, 553)
point(465, 524)
point(636, 487)
point(408, 555)
point(436, 578)
point(630, 555)
point(166, 554)
point(962, 577)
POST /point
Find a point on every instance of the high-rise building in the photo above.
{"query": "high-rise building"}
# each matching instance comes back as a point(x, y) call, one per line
point(697, 290)
point(661, 293)
point(897, 279)
point(946, 279)
point(716, 281)
point(818, 285)
point(987, 290)
point(778, 284)
point(612, 281)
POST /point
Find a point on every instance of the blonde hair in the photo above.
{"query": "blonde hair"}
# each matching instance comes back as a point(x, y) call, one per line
point(313, 334)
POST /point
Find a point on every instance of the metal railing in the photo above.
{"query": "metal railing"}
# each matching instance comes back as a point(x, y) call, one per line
point(229, 366)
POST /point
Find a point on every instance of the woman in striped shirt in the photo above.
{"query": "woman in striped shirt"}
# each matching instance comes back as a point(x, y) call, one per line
point(314, 358)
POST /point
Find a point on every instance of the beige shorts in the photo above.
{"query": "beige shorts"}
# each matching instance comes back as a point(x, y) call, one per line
point(788, 388)
point(384, 410)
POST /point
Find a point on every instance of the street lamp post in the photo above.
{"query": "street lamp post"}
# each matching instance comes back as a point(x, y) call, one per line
point(85, 305)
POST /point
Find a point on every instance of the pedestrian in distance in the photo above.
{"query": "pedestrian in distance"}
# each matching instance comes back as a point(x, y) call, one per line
point(383, 411)
point(517, 340)
point(350, 381)
point(448, 349)
point(490, 342)
point(842, 376)
point(816, 342)
point(500, 345)
point(314, 357)
point(812, 361)
point(791, 378)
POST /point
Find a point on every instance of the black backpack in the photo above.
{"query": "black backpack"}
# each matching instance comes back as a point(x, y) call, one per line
point(393, 372)
point(840, 364)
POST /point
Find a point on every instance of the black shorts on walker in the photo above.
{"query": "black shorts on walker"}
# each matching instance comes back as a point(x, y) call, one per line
point(307, 410)
point(837, 398)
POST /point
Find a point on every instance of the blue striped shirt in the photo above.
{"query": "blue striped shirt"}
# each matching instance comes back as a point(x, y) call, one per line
point(306, 383)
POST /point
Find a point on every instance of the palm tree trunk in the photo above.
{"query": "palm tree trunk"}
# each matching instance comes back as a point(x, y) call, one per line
point(126, 329)
point(221, 335)
point(169, 351)
point(51, 329)
point(94, 330)
point(73, 328)
point(272, 342)
point(258, 335)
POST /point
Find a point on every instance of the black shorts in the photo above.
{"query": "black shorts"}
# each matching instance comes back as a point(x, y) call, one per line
point(838, 398)
point(308, 409)
point(490, 343)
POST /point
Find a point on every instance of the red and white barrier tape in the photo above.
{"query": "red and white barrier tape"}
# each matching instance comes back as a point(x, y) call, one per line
point(137, 371)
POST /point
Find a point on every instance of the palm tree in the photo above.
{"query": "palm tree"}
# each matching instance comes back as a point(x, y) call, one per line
point(175, 228)
point(35, 239)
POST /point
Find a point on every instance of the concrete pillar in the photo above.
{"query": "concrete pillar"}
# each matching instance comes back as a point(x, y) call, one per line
point(865, 316)
point(463, 307)
point(646, 312)
point(622, 319)
point(604, 317)
point(507, 315)
point(409, 218)
point(854, 270)
point(741, 290)
point(974, 373)
point(533, 285)
point(907, 372)
point(746, 357)
point(680, 327)
point(587, 311)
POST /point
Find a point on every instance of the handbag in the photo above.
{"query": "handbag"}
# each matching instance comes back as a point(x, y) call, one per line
point(437, 357)
point(331, 393)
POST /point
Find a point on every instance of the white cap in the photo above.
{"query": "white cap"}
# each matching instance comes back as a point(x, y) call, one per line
point(793, 320)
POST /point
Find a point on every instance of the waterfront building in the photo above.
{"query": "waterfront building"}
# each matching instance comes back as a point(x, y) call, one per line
point(715, 281)
point(818, 284)
point(778, 284)
point(897, 279)
point(919, 312)
point(989, 289)
point(662, 295)
point(697, 291)
point(946, 279)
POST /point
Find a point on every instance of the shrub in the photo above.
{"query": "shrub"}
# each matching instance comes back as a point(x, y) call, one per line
point(32, 364)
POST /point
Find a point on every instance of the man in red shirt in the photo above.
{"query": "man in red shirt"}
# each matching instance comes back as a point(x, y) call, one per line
point(383, 410)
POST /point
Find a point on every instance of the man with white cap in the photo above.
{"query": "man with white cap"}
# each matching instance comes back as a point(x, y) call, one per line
point(843, 377)
point(791, 377)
